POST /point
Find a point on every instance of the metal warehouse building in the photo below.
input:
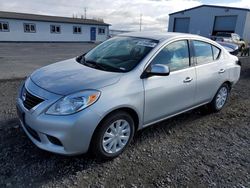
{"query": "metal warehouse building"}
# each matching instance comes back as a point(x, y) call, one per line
point(20, 27)
point(207, 20)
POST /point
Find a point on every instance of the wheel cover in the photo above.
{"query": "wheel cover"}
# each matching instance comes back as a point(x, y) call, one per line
point(116, 136)
point(221, 97)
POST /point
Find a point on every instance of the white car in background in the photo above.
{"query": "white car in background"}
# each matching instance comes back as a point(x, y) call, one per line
point(230, 47)
point(233, 38)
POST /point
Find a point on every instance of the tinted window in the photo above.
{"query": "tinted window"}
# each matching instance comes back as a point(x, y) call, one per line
point(216, 52)
point(175, 55)
point(203, 52)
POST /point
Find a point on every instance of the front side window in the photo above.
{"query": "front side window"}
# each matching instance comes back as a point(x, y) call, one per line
point(203, 52)
point(4, 26)
point(29, 27)
point(119, 54)
point(175, 55)
point(77, 30)
point(101, 31)
point(55, 29)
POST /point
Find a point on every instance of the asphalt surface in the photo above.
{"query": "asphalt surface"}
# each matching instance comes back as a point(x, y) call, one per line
point(195, 149)
point(18, 60)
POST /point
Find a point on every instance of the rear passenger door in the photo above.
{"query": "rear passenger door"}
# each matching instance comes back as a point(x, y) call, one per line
point(168, 95)
point(210, 70)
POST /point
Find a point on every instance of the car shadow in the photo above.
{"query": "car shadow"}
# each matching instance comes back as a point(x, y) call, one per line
point(173, 124)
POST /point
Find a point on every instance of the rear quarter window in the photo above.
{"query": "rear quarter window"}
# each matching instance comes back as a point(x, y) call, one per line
point(216, 52)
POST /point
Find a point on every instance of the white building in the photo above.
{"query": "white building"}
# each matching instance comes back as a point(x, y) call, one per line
point(207, 20)
point(20, 27)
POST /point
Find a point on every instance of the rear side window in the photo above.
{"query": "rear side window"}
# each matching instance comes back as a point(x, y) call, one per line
point(203, 52)
point(175, 55)
point(216, 52)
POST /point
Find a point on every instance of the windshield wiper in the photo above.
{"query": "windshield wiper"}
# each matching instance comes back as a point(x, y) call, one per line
point(105, 67)
point(97, 65)
point(115, 69)
point(92, 64)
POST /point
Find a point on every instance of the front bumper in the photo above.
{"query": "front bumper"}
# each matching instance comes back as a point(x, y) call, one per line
point(67, 135)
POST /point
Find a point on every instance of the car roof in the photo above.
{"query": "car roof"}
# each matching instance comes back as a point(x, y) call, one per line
point(160, 36)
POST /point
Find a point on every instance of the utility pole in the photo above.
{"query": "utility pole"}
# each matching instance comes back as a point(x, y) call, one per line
point(140, 21)
point(85, 13)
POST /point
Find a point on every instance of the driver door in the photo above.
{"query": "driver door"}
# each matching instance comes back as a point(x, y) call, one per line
point(168, 95)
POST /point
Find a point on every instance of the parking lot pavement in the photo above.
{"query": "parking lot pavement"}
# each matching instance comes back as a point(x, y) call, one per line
point(191, 150)
point(18, 60)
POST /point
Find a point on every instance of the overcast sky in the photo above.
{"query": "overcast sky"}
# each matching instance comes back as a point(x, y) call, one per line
point(121, 14)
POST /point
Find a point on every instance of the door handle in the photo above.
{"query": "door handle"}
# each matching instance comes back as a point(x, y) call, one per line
point(188, 79)
point(221, 71)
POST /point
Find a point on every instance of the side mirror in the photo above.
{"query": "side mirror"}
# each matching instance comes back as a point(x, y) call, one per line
point(156, 70)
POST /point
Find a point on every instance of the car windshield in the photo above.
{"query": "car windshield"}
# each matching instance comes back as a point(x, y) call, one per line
point(119, 54)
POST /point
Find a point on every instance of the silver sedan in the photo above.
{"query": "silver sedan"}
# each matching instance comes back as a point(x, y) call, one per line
point(98, 100)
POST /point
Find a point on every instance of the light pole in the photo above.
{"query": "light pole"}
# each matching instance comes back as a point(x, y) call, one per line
point(85, 13)
point(140, 21)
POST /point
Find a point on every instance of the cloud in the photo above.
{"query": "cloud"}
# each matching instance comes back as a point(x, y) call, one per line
point(121, 14)
point(239, 4)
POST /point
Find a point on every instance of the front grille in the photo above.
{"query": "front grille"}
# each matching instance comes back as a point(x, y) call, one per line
point(31, 100)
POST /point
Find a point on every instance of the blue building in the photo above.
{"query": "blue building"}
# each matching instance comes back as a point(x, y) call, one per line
point(207, 20)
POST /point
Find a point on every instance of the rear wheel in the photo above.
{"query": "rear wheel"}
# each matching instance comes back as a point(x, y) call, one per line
point(113, 135)
point(220, 98)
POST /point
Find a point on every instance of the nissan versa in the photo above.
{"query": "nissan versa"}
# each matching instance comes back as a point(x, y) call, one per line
point(98, 100)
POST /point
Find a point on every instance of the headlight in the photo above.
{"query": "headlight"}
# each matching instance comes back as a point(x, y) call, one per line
point(74, 103)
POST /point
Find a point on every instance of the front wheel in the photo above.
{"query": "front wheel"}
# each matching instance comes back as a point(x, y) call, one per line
point(113, 135)
point(220, 98)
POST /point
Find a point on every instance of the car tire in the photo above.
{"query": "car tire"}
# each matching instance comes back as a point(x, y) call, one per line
point(113, 135)
point(220, 98)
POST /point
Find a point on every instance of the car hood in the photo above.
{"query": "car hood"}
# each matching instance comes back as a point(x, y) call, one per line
point(69, 76)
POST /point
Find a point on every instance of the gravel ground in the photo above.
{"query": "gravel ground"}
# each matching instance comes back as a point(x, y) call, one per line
point(191, 150)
